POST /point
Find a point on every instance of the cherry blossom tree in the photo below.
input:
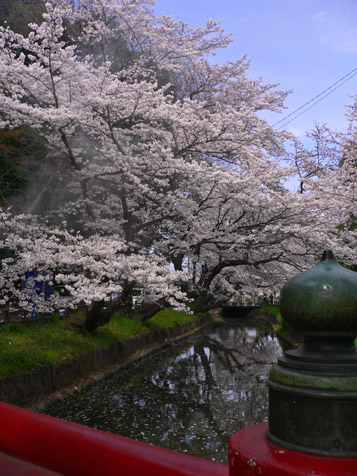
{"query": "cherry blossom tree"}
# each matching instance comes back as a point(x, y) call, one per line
point(92, 269)
point(328, 174)
point(159, 169)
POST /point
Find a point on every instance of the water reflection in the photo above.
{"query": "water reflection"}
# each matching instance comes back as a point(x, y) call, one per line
point(191, 402)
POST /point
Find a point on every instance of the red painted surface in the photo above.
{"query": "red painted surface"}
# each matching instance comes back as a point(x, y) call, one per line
point(10, 466)
point(76, 450)
point(251, 454)
point(32, 442)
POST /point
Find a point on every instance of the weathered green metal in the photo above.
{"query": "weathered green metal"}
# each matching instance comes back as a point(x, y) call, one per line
point(322, 300)
point(313, 390)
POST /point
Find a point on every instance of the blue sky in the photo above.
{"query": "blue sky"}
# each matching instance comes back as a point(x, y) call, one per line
point(305, 45)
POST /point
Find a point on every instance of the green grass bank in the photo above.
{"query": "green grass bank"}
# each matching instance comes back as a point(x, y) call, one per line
point(32, 344)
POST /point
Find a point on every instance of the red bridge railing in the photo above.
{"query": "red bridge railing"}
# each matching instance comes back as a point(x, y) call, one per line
point(33, 444)
point(76, 450)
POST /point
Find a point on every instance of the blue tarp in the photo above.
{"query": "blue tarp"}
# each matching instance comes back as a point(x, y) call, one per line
point(39, 287)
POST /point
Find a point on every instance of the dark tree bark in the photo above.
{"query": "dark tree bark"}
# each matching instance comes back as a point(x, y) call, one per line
point(99, 314)
point(203, 303)
point(147, 310)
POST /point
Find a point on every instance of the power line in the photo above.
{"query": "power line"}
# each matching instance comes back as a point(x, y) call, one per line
point(323, 92)
point(338, 84)
point(293, 119)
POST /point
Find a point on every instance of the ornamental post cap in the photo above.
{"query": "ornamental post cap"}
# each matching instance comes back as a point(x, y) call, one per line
point(321, 301)
point(328, 255)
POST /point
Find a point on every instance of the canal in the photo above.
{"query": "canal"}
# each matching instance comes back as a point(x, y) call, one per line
point(191, 397)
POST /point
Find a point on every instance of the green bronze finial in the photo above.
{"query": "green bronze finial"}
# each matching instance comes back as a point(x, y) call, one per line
point(313, 389)
point(323, 300)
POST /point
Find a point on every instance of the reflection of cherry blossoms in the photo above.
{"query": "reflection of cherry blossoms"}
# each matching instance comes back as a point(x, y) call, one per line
point(192, 401)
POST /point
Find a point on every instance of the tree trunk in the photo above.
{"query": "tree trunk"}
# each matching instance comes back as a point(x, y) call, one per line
point(202, 303)
point(147, 310)
point(99, 314)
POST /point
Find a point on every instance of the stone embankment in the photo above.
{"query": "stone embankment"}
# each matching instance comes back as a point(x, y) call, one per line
point(28, 388)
